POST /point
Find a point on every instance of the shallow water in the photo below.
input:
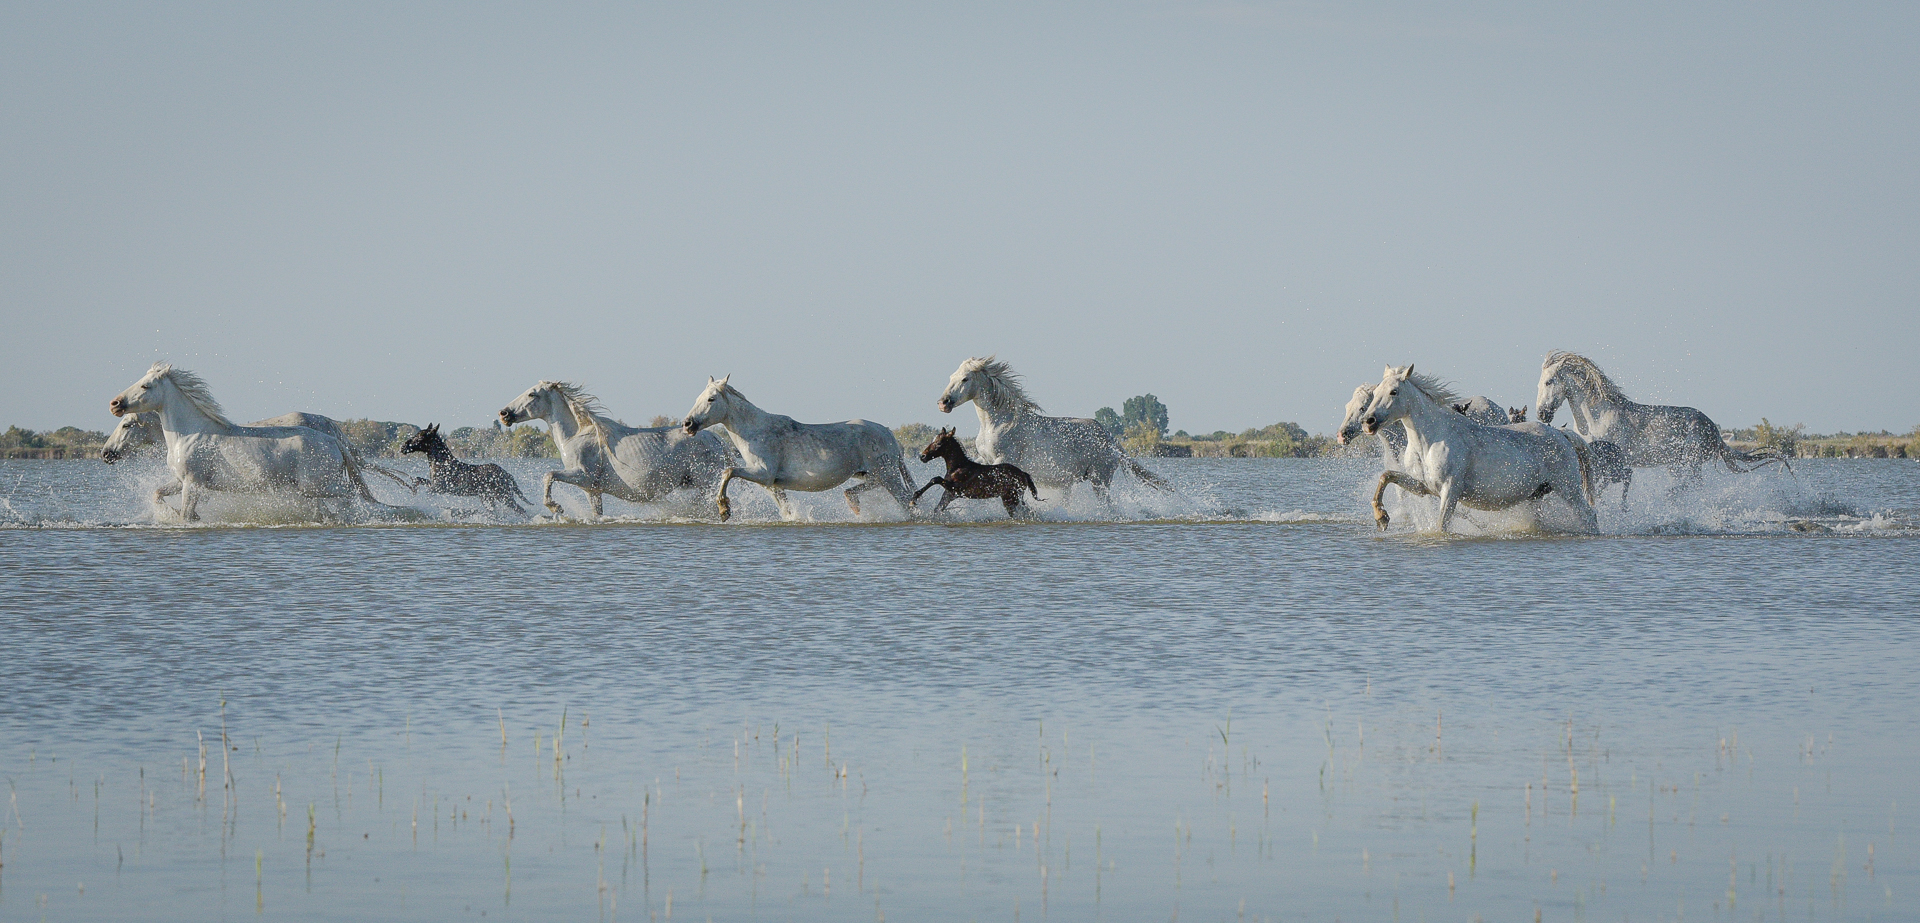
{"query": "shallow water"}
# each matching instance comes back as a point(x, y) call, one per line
point(1240, 700)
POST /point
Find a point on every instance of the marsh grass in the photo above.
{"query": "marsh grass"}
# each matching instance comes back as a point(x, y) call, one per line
point(1376, 821)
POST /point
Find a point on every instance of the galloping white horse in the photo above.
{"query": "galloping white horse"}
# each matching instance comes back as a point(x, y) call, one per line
point(136, 431)
point(1651, 435)
point(1393, 437)
point(1483, 467)
point(207, 452)
point(781, 455)
point(601, 455)
point(1056, 451)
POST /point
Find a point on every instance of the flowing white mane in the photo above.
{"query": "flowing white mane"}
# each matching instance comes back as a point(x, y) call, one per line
point(1435, 387)
point(1000, 385)
point(586, 409)
point(193, 388)
point(1591, 377)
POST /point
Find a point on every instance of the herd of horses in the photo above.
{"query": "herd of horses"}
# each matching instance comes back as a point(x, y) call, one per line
point(1465, 451)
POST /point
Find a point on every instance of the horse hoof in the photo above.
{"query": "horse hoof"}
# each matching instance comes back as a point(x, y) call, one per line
point(552, 507)
point(1380, 519)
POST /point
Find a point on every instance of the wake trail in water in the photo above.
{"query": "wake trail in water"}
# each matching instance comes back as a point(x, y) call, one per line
point(1838, 498)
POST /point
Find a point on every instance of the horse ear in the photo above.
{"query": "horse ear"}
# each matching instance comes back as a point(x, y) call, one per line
point(1409, 371)
point(709, 379)
point(724, 378)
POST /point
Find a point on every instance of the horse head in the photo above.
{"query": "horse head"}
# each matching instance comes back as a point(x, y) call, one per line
point(1387, 403)
point(710, 407)
point(134, 432)
point(939, 445)
point(1356, 408)
point(425, 440)
point(1516, 414)
point(143, 396)
point(533, 404)
point(964, 385)
point(1554, 387)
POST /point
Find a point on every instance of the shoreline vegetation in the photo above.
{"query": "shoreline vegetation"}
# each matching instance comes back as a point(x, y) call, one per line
point(1141, 432)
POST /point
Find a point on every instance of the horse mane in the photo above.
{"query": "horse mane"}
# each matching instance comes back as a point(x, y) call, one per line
point(586, 409)
point(1003, 387)
point(1435, 387)
point(1589, 374)
point(194, 388)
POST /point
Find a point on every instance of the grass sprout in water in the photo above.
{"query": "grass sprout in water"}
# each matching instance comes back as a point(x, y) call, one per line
point(1279, 816)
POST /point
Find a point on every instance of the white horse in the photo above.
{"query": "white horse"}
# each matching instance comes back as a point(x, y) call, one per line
point(601, 455)
point(1483, 410)
point(1056, 451)
point(136, 431)
point(1463, 462)
point(1650, 435)
point(207, 452)
point(1393, 437)
point(781, 455)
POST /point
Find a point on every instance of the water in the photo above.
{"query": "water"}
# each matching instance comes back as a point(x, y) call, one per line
point(1241, 702)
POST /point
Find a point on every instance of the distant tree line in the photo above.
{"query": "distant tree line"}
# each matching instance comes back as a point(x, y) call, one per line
point(1795, 441)
point(65, 442)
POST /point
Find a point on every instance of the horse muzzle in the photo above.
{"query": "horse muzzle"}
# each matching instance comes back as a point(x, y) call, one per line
point(117, 406)
point(1370, 426)
point(507, 418)
point(691, 425)
point(1546, 414)
point(109, 456)
point(946, 406)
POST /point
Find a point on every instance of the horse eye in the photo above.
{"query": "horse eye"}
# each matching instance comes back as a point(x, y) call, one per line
point(1393, 392)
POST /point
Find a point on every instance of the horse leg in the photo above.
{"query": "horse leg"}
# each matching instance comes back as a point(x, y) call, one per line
point(1447, 502)
point(945, 498)
point(930, 485)
point(1626, 484)
point(1101, 486)
point(189, 501)
point(726, 477)
point(1406, 482)
point(593, 497)
point(780, 500)
point(165, 491)
point(853, 493)
point(1011, 500)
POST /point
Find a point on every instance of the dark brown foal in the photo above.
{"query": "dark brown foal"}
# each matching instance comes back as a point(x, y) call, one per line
point(972, 480)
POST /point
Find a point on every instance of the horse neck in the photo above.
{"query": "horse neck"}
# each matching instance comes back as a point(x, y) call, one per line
point(179, 416)
point(1428, 421)
point(438, 455)
point(560, 417)
point(743, 417)
point(955, 457)
point(1588, 407)
point(563, 426)
point(995, 408)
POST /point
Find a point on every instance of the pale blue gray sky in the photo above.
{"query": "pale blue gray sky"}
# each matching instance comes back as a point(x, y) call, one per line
point(414, 211)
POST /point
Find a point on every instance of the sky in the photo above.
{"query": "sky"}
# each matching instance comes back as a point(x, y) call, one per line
point(414, 211)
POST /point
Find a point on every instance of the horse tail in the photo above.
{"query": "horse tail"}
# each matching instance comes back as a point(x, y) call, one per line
point(351, 465)
point(1028, 480)
point(1755, 460)
point(514, 483)
point(403, 482)
point(1586, 467)
point(1149, 478)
